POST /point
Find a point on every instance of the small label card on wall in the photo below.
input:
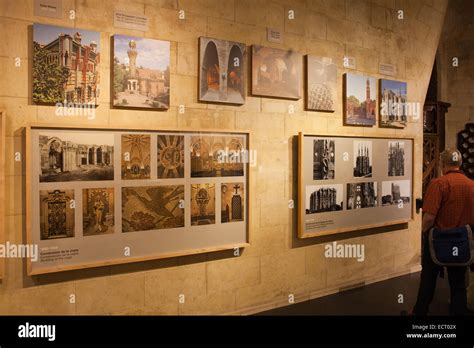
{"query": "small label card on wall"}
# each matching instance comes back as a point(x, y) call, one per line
point(130, 21)
point(274, 35)
point(48, 8)
point(387, 69)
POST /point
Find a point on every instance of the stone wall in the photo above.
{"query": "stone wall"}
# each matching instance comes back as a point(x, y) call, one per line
point(277, 264)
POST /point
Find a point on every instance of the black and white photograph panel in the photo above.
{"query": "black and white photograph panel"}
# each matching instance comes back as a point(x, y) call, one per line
point(396, 192)
point(396, 158)
point(361, 195)
point(323, 159)
point(324, 198)
point(362, 158)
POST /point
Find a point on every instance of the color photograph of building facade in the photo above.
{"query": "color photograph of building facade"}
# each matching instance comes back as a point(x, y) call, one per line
point(141, 72)
point(359, 100)
point(393, 107)
point(65, 65)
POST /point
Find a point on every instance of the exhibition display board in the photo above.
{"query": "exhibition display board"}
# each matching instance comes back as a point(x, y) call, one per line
point(352, 183)
point(98, 197)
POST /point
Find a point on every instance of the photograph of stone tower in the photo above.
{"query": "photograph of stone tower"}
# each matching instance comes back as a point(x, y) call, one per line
point(359, 100)
point(141, 72)
point(65, 65)
point(362, 159)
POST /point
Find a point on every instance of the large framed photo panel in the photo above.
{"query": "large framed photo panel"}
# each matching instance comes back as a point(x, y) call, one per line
point(99, 197)
point(2, 187)
point(353, 183)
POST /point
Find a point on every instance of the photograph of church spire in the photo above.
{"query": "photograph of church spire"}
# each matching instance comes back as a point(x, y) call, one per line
point(141, 72)
point(362, 159)
point(76, 156)
point(324, 198)
point(396, 158)
point(65, 65)
point(232, 202)
point(393, 108)
point(361, 195)
point(222, 71)
point(359, 100)
point(396, 192)
point(323, 159)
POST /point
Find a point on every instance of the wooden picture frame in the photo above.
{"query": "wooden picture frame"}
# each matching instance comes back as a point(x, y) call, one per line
point(155, 241)
point(2, 186)
point(319, 222)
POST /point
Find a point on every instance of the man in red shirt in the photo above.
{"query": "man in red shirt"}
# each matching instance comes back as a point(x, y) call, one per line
point(448, 203)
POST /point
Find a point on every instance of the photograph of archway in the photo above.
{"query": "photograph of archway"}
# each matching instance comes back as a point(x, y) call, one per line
point(135, 156)
point(276, 73)
point(76, 156)
point(222, 71)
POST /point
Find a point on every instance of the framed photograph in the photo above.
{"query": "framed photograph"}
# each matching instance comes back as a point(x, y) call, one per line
point(75, 156)
point(203, 204)
point(157, 193)
point(2, 185)
point(397, 192)
point(396, 158)
point(232, 202)
point(361, 195)
point(359, 100)
point(170, 156)
point(136, 156)
point(393, 104)
point(354, 191)
point(140, 72)
point(222, 71)
point(98, 211)
point(276, 73)
point(61, 58)
point(324, 158)
point(213, 156)
point(321, 84)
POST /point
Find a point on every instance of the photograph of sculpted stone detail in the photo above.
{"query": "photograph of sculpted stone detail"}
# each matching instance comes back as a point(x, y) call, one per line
point(217, 156)
point(65, 65)
point(324, 198)
point(396, 158)
point(203, 204)
point(393, 108)
point(276, 73)
point(76, 156)
point(361, 195)
point(152, 207)
point(135, 156)
point(321, 84)
point(141, 72)
point(359, 100)
point(98, 211)
point(324, 159)
point(170, 156)
point(56, 214)
point(232, 202)
point(362, 159)
point(222, 71)
point(396, 192)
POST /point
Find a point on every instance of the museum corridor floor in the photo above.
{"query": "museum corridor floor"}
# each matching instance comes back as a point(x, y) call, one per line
point(374, 299)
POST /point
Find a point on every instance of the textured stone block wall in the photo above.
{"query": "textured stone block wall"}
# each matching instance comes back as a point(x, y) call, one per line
point(276, 264)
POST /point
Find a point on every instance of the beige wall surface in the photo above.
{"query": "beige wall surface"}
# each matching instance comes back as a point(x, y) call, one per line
point(277, 264)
